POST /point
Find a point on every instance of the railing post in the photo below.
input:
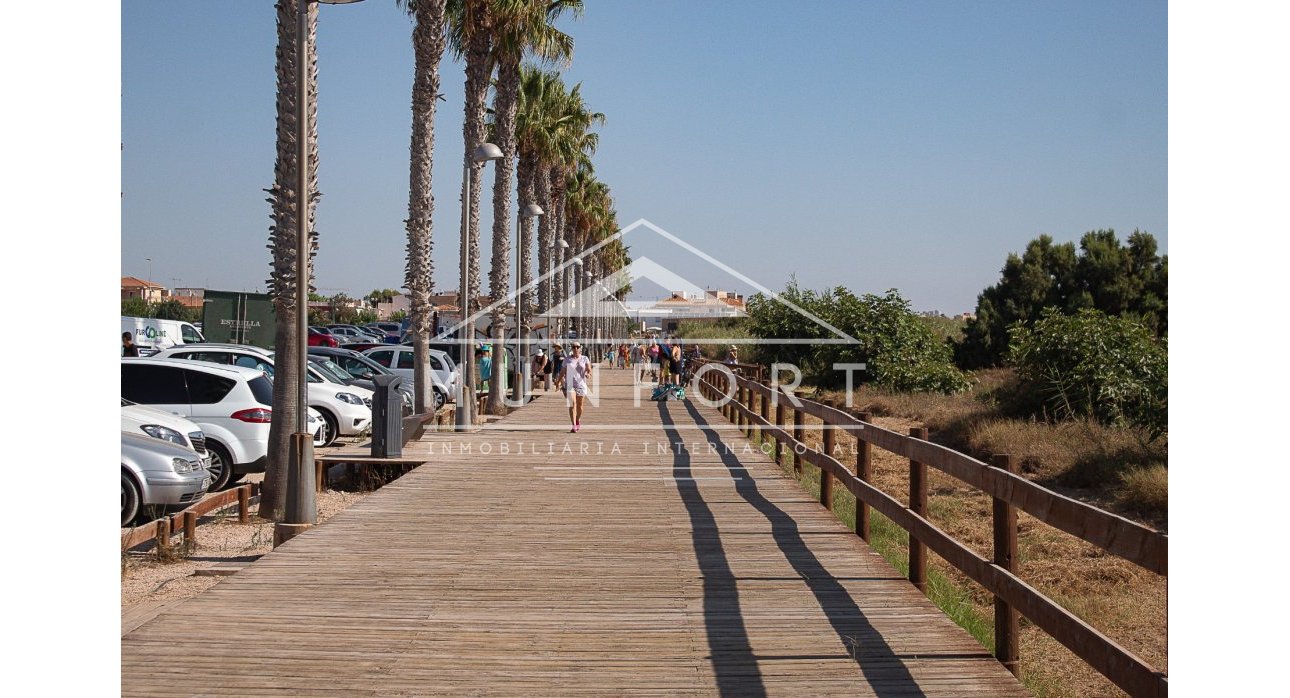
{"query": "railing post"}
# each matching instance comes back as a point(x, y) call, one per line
point(779, 422)
point(799, 434)
point(190, 530)
point(864, 471)
point(918, 505)
point(1005, 555)
point(163, 537)
point(826, 480)
point(752, 401)
point(244, 504)
point(320, 475)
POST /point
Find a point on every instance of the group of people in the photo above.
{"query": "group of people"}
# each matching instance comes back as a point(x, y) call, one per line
point(665, 361)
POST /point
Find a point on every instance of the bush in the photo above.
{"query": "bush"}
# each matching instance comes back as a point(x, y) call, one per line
point(713, 337)
point(1123, 280)
point(1094, 365)
point(899, 350)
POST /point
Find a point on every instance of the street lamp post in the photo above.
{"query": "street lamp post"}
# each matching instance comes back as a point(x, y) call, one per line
point(574, 287)
point(302, 504)
point(466, 328)
point(595, 328)
point(520, 389)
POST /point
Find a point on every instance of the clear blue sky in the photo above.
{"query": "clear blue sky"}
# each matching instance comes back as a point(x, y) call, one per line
point(872, 145)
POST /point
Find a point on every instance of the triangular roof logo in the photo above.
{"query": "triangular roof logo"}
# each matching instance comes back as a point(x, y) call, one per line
point(599, 297)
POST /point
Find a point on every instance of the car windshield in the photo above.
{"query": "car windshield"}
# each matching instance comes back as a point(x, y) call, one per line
point(329, 369)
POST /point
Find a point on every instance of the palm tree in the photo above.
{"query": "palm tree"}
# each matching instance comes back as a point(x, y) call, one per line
point(536, 123)
point(427, 45)
point(572, 147)
point(519, 27)
point(470, 26)
point(285, 200)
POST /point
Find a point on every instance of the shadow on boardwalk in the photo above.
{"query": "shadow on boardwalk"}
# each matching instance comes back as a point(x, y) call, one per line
point(733, 660)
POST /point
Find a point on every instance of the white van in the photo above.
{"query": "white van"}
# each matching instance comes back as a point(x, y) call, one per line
point(152, 335)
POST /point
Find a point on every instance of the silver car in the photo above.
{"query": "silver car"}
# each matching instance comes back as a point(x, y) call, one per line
point(157, 473)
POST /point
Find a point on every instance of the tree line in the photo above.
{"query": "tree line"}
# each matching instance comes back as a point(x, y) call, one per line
point(1085, 329)
point(512, 50)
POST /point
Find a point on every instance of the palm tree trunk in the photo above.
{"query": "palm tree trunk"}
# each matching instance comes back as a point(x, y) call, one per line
point(477, 72)
point(557, 214)
point(427, 44)
point(524, 180)
point(546, 238)
point(505, 103)
point(282, 241)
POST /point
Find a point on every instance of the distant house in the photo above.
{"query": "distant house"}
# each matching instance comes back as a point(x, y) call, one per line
point(138, 288)
point(397, 303)
point(668, 313)
point(194, 298)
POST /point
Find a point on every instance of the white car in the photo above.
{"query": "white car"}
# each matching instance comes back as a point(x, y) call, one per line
point(399, 359)
point(346, 410)
point(231, 404)
point(158, 473)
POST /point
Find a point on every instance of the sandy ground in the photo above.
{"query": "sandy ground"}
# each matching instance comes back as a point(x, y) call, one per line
point(148, 584)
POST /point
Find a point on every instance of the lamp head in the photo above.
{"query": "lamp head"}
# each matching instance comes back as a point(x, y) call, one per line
point(486, 152)
point(533, 211)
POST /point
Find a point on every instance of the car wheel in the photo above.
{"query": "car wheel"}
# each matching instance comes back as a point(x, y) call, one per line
point(330, 430)
point(221, 469)
point(439, 399)
point(129, 500)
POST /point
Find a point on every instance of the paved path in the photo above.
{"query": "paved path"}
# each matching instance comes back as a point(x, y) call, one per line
point(654, 551)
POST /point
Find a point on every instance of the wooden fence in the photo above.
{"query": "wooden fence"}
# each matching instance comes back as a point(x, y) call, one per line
point(165, 527)
point(749, 403)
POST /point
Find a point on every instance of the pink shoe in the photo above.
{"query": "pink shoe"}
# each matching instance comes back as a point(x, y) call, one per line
point(573, 428)
point(576, 426)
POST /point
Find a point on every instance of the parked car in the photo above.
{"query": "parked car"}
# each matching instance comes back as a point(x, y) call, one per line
point(345, 410)
point(348, 334)
point(152, 335)
point(158, 473)
point(333, 372)
point(318, 338)
point(390, 330)
point(359, 365)
point(400, 360)
point(231, 404)
point(159, 424)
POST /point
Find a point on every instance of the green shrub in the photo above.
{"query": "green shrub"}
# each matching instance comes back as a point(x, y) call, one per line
point(1094, 365)
point(900, 351)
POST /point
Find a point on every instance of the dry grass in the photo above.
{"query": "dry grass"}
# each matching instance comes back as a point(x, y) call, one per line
point(1121, 600)
point(1082, 459)
point(1145, 489)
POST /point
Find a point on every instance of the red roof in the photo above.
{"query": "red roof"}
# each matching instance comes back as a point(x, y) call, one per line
point(132, 282)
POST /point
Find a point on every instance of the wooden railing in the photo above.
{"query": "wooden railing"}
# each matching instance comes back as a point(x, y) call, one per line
point(748, 403)
point(165, 527)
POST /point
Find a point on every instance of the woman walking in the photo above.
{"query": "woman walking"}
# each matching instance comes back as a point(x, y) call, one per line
point(573, 379)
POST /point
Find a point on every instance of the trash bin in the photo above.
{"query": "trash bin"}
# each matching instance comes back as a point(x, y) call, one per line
point(387, 417)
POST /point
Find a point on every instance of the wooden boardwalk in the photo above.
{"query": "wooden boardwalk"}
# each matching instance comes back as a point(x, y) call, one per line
point(655, 551)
